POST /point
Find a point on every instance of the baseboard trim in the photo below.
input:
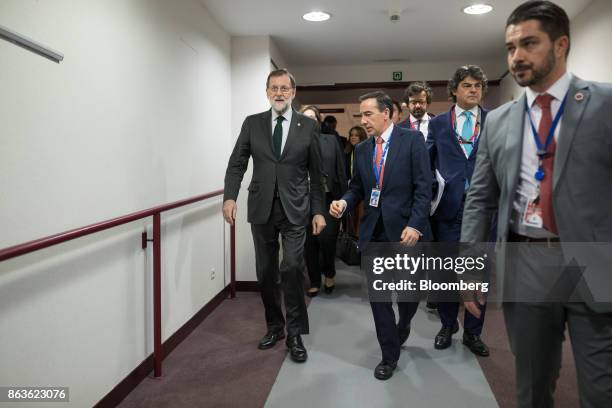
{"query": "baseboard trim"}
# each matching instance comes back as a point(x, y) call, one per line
point(129, 383)
point(247, 286)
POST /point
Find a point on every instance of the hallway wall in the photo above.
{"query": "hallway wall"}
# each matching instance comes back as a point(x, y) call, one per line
point(127, 121)
point(589, 58)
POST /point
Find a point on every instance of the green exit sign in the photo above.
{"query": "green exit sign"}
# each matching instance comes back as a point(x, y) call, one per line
point(397, 75)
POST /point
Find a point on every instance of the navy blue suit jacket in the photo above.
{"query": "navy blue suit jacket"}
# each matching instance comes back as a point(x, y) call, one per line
point(405, 197)
point(447, 156)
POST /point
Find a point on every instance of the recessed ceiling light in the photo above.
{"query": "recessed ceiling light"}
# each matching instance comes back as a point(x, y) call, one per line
point(478, 9)
point(316, 16)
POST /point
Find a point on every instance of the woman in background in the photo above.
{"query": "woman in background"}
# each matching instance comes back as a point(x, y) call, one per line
point(320, 251)
point(356, 135)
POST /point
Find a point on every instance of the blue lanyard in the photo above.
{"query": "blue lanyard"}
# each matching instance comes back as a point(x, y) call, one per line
point(378, 169)
point(543, 150)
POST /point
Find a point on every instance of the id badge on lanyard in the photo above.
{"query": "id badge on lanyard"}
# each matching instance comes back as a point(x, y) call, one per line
point(374, 197)
point(532, 213)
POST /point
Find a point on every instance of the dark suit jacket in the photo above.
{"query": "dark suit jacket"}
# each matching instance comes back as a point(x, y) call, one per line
point(446, 155)
point(301, 158)
point(333, 166)
point(405, 197)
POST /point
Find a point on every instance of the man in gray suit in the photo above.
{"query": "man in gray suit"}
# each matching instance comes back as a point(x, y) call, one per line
point(286, 189)
point(545, 164)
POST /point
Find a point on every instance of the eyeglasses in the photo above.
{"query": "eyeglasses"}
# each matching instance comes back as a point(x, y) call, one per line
point(283, 89)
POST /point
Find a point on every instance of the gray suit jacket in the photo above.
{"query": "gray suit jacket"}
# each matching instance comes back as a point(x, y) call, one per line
point(582, 182)
point(301, 158)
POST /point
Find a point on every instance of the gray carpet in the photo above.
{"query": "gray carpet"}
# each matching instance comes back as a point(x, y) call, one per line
point(343, 352)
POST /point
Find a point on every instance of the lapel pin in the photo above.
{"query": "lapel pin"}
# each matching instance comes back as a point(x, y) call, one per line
point(299, 124)
point(579, 97)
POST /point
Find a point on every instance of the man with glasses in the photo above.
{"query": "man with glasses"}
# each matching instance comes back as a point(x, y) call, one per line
point(453, 144)
point(285, 190)
point(417, 98)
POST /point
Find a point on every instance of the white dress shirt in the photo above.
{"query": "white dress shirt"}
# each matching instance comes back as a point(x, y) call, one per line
point(460, 118)
point(288, 115)
point(527, 184)
point(423, 126)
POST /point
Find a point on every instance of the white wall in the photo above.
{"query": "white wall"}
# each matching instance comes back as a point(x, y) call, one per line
point(132, 118)
point(250, 68)
point(590, 58)
point(591, 30)
point(382, 72)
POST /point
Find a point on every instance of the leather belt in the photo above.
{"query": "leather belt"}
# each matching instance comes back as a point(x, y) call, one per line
point(514, 237)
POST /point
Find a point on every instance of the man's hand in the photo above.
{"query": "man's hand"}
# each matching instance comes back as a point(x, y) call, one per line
point(472, 301)
point(336, 208)
point(229, 211)
point(410, 236)
point(318, 223)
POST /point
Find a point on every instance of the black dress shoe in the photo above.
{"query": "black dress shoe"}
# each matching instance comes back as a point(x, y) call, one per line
point(270, 339)
point(403, 334)
point(296, 349)
point(475, 344)
point(384, 370)
point(444, 338)
point(329, 285)
point(312, 292)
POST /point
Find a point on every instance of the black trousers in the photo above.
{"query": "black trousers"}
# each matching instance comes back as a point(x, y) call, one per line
point(450, 231)
point(384, 315)
point(288, 278)
point(321, 250)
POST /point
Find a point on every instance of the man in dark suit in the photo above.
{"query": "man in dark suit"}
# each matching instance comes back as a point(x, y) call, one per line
point(453, 144)
point(391, 174)
point(417, 98)
point(549, 180)
point(329, 127)
point(281, 200)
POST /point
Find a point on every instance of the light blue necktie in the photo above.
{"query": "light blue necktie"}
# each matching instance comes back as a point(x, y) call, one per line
point(466, 134)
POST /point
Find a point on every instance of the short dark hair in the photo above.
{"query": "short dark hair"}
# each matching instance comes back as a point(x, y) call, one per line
point(383, 101)
point(314, 109)
point(330, 119)
point(553, 19)
point(280, 72)
point(463, 72)
point(415, 88)
point(397, 105)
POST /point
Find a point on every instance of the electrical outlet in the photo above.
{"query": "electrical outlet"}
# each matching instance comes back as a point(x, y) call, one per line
point(212, 273)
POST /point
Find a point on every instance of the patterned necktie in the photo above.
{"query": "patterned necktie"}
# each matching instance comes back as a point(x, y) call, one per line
point(379, 152)
point(548, 215)
point(277, 136)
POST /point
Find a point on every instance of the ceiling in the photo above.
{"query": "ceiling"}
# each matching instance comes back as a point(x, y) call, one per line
point(360, 32)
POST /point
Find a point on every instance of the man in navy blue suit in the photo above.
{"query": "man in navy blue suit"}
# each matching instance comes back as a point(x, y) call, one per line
point(453, 144)
point(392, 175)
